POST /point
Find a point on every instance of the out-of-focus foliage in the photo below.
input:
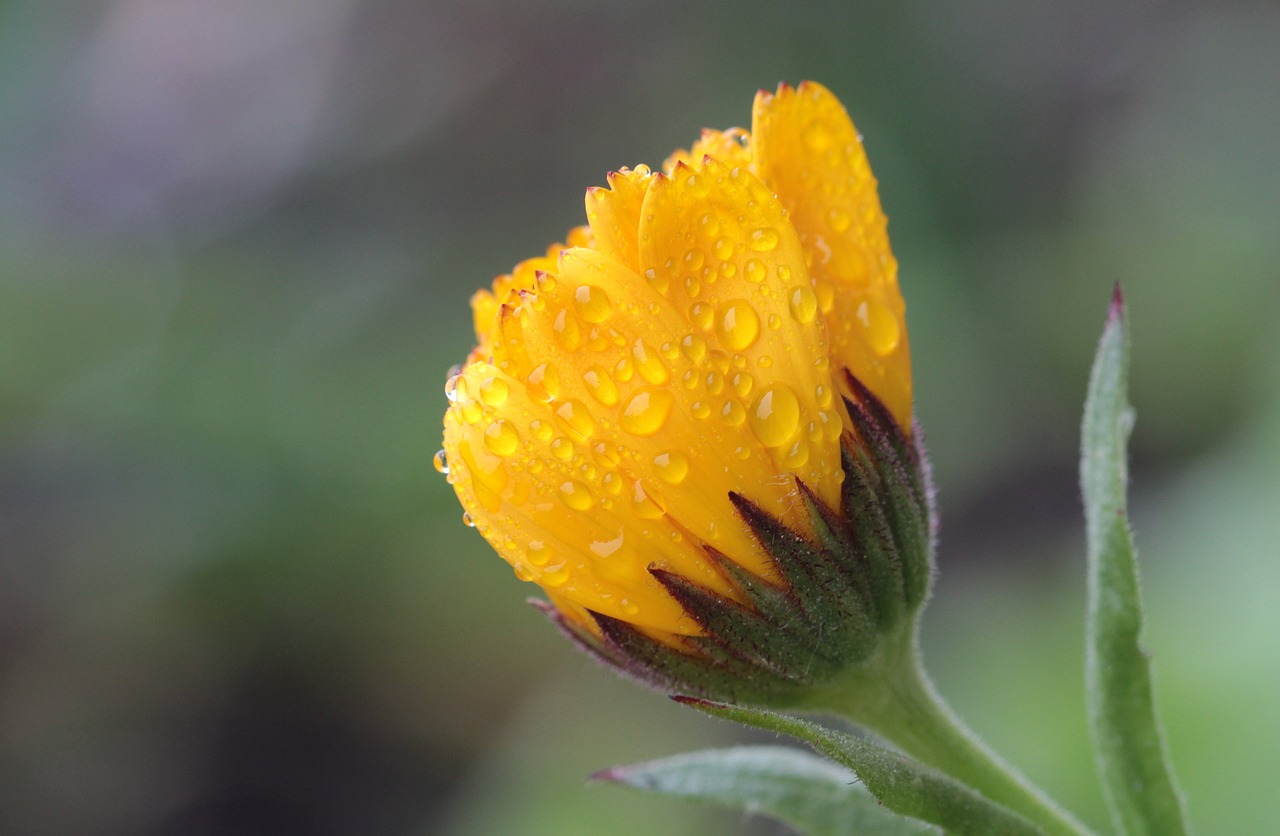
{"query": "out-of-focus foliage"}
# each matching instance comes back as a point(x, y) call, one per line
point(236, 244)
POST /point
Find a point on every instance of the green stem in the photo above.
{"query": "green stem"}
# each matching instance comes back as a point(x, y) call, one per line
point(897, 701)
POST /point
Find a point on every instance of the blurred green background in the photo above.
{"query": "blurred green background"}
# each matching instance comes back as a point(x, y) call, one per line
point(237, 241)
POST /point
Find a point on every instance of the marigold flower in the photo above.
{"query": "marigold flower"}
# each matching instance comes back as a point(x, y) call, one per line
point(692, 421)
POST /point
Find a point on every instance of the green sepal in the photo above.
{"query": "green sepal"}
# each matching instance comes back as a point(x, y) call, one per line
point(810, 793)
point(902, 784)
point(1129, 746)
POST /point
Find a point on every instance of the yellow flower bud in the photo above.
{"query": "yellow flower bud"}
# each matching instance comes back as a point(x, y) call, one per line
point(644, 401)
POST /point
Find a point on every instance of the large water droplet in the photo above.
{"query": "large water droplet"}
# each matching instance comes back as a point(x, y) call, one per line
point(493, 391)
point(738, 324)
point(646, 411)
point(671, 467)
point(501, 438)
point(649, 364)
point(600, 385)
point(441, 463)
point(567, 331)
point(576, 418)
point(576, 495)
point(538, 553)
point(562, 448)
point(544, 383)
point(592, 303)
point(455, 388)
point(763, 239)
point(694, 347)
point(879, 326)
point(775, 415)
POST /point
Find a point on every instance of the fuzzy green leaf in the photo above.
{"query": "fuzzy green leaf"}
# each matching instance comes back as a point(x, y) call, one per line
point(810, 793)
point(1129, 746)
point(901, 784)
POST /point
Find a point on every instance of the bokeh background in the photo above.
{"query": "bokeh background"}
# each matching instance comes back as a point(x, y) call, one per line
point(237, 241)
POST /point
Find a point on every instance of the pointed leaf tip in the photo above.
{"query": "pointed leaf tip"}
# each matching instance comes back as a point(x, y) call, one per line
point(1116, 309)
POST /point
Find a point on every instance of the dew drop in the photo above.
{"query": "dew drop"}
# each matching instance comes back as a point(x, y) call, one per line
point(804, 305)
point(607, 453)
point(658, 281)
point(694, 259)
point(624, 370)
point(700, 409)
point(784, 273)
point(648, 363)
point(775, 415)
point(646, 411)
point(612, 483)
point(541, 429)
point(467, 520)
point(455, 388)
point(754, 270)
point(763, 239)
point(733, 414)
point(701, 315)
point(562, 448)
point(742, 383)
point(565, 325)
point(738, 324)
point(629, 607)
point(592, 303)
point(672, 467)
point(544, 383)
point(694, 347)
point(600, 385)
point(555, 576)
point(775, 322)
point(441, 463)
point(722, 249)
point(797, 455)
point(501, 438)
point(576, 495)
point(493, 391)
point(471, 411)
point(839, 220)
point(692, 287)
point(715, 382)
point(522, 571)
point(822, 394)
point(879, 326)
point(576, 418)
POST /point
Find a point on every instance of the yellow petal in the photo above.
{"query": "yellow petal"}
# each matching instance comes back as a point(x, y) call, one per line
point(614, 214)
point(718, 245)
point(806, 149)
point(730, 147)
point(560, 511)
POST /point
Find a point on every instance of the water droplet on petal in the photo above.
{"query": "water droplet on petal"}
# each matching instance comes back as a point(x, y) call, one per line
point(646, 411)
point(733, 414)
point(576, 418)
point(562, 448)
point(694, 258)
point(501, 438)
point(600, 385)
point(544, 383)
point(804, 305)
point(644, 507)
point(455, 388)
point(839, 219)
point(701, 315)
point(538, 554)
point(738, 325)
point(441, 463)
point(775, 415)
point(576, 495)
point(493, 391)
point(648, 363)
point(567, 331)
point(763, 239)
point(694, 347)
point(879, 326)
point(754, 270)
point(541, 429)
point(592, 303)
point(672, 467)
point(467, 521)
